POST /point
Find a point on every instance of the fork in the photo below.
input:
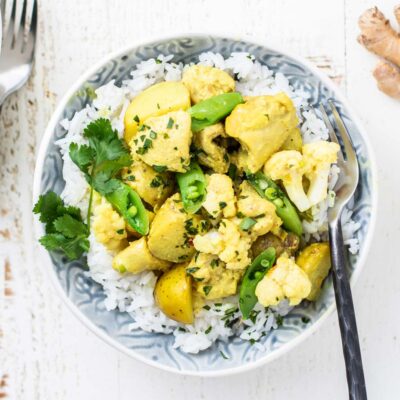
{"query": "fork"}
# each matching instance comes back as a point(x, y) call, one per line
point(345, 188)
point(18, 43)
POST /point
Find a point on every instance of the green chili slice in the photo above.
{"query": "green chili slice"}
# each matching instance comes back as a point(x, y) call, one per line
point(192, 185)
point(129, 204)
point(212, 110)
point(254, 273)
point(269, 190)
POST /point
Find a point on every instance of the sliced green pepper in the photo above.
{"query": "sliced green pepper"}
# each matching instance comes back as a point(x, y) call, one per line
point(269, 190)
point(192, 185)
point(129, 204)
point(254, 273)
point(212, 110)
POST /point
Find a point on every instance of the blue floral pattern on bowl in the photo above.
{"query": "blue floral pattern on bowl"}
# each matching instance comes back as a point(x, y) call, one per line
point(87, 296)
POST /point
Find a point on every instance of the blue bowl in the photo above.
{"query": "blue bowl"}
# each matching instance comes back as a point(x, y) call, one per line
point(86, 298)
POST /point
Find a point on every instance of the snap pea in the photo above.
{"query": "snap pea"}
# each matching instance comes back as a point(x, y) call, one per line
point(254, 273)
point(269, 190)
point(192, 185)
point(212, 110)
point(129, 204)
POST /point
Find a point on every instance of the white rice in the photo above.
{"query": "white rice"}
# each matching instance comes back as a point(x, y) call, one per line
point(134, 293)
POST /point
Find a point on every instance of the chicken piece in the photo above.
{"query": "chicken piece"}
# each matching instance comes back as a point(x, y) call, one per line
point(220, 198)
point(165, 141)
point(153, 187)
point(211, 279)
point(204, 82)
point(137, 258)
point(294, 141)
point(227, 243)
point(284, 280)
point(261, 125)
point(172, 230)
point(288, 167)
point(108, 226)
point(212, 154)
point(250, 204)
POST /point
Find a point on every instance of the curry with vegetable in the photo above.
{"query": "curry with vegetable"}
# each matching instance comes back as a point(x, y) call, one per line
point(208, 189)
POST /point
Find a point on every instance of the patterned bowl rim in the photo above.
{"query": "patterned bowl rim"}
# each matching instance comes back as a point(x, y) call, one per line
point(39, 230)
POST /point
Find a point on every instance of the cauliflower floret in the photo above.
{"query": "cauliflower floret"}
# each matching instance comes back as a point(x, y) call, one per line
point(211, 278)
point(318, 157)
point(165, 141)
point(220, 198)
point(204, 82)
point(227, 243)
point(212, 154)
point(108, 226)
point(250, 204)
point(285, 280)
point(288, 166)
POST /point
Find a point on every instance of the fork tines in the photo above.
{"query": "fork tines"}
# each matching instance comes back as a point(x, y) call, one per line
point(19, 19)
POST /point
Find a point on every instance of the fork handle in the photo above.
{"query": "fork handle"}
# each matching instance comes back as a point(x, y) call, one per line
point(346, 315)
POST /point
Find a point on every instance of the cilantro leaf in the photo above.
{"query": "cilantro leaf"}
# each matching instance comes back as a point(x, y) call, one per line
point(103, 158)
point(65, 229)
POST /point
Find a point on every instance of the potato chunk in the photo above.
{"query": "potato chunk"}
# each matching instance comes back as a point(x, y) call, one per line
point(211, 278)
point(204, 82)
point(153, 187)
point(165, 141)
point(137, 258)
point(220, 198)
point(315, 261)
point(156, 100)
point(212, 154)
point(173, 294)
point(172, 230)
point(261, 125)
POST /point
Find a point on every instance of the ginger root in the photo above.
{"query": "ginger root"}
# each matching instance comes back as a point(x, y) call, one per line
point(388, 78)
point(379, 37)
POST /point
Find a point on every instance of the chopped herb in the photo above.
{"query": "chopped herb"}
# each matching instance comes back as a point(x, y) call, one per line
point(175, 148)
point(120, 231)
point(279, 320)
point(259, 216)
point(136, 118)
point(232, 171)
point(214, 263)
point(158, 61)
point(166, 136)
point(170, 123)
point(207, 307)
point(130, 178)
point(218, 304)
point(158, 105)
point(222, 205)
point(198, 279)
point(240, 214)
point(207, 289)
point(226, 157)
point(208, 330)
point(305, 320)
point(157, 181)
point(153, 135)
point(247, 224)
point(223, 355)
point(181, 329)
point(159, 168)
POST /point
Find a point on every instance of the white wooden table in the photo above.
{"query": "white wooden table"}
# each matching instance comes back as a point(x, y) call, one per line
point(45, 353)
